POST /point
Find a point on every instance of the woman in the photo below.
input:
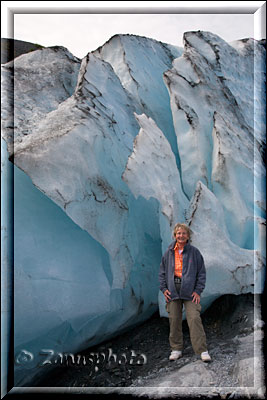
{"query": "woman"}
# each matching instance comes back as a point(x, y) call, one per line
point(182, 279)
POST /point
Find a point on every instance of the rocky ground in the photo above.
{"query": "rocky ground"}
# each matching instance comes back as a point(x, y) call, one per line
point(234, 332)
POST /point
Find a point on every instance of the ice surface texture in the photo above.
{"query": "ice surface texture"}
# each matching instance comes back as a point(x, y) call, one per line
point(110, 152)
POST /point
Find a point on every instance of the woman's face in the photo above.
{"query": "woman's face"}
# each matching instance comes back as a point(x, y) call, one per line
point(181, 236)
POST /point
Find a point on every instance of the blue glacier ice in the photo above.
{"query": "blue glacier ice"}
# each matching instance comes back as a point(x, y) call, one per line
point(110, 152)
point(152, 157)
point(60, 270)
point(218, 139)
point(131, 57)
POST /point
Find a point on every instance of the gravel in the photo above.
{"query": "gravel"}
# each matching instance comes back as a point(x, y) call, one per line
point(229, 326)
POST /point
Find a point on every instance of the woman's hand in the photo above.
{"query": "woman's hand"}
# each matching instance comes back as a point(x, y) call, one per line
point(196, 298)
point(167, 295)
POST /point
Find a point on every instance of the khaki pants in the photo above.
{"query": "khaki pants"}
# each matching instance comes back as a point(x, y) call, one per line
point(197, 333)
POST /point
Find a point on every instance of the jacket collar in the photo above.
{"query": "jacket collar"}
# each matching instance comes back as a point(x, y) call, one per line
point(172, 245)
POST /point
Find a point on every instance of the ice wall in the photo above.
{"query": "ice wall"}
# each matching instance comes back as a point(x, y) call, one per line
point(140, 62)
point(63, 295)
point(110, 153)
point(218, 140)
point(40, 81)
point(151, 172)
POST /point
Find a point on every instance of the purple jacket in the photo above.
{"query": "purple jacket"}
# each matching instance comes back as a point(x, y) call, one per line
point(193, 276)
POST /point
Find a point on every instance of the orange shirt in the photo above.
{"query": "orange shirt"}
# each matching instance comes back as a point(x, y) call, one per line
point(178, 257)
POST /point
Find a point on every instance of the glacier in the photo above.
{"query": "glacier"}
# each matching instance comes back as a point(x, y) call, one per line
point(216, 135)
point(109, 152)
